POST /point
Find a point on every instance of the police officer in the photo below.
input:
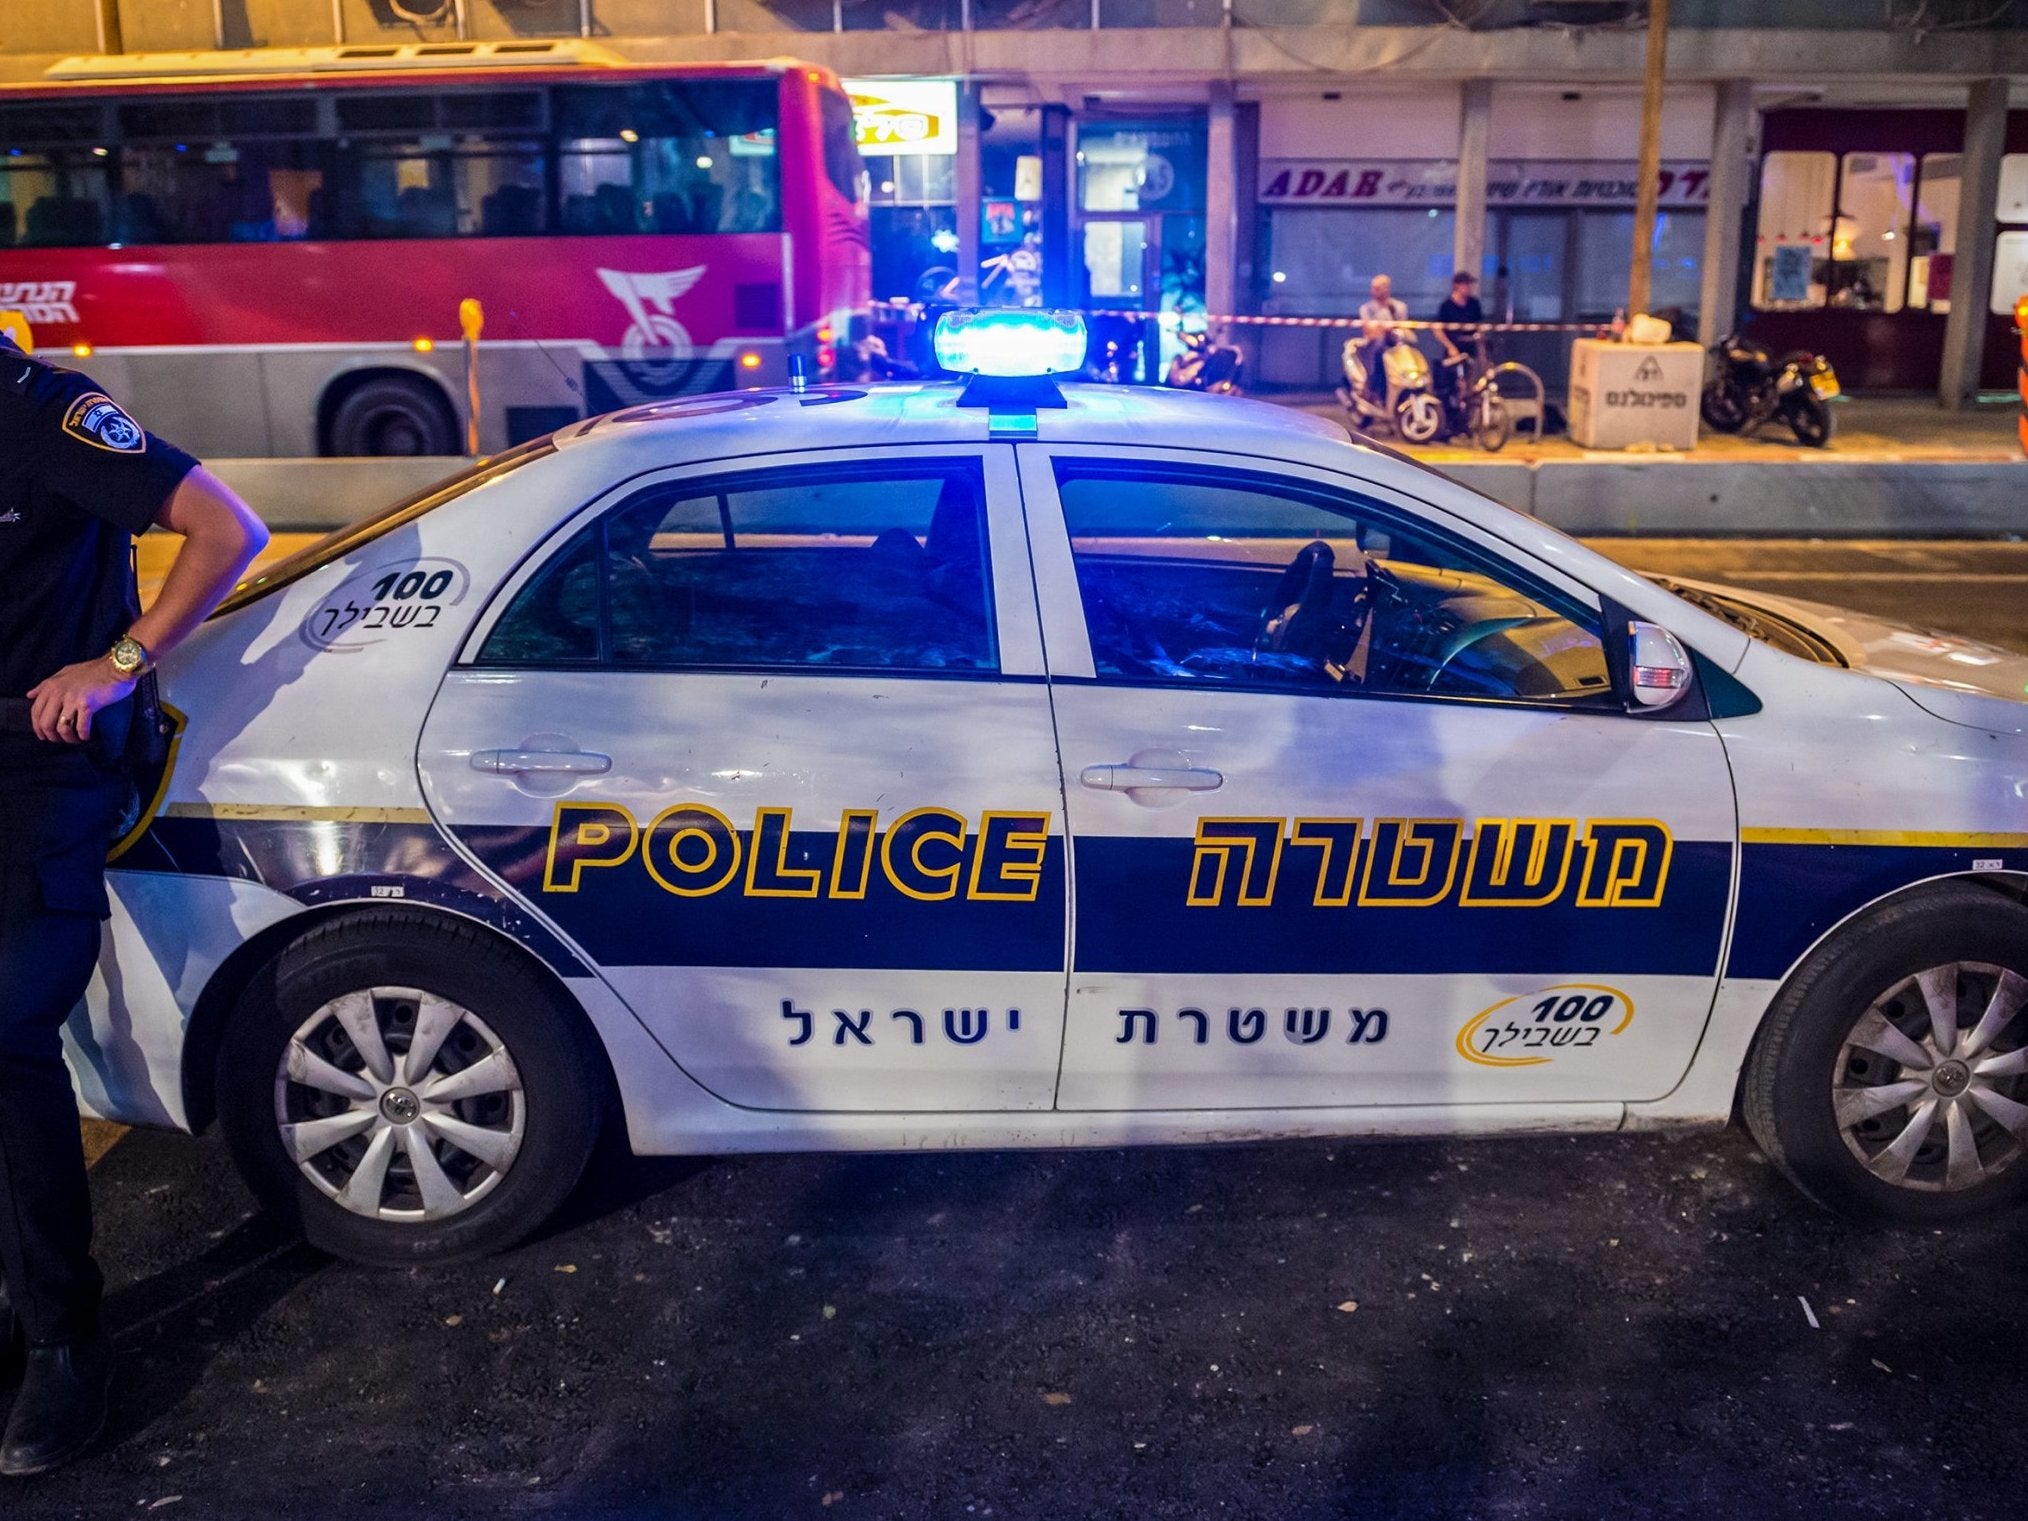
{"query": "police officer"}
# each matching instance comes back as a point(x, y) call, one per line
point(79, 480)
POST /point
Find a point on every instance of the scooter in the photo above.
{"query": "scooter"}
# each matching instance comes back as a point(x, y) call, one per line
point(1751, 386)
point(1410, 407)
point(1205, 365)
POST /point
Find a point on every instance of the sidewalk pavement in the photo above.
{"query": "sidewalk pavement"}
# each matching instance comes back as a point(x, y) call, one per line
point(1898, 467)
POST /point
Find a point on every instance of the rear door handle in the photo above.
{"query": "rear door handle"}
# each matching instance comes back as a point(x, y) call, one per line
point(1133, 778)
point(532, 762)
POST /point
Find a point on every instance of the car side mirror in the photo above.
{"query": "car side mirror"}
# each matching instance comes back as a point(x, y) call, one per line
point(1658, 667)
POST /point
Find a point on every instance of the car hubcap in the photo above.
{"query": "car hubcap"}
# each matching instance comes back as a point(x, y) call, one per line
point(1927, 1089)
point(400, 1105)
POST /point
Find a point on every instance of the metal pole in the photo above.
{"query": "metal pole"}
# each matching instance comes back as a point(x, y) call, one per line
point(338, 22)
point(464, 20)
point(110, 40)
point(584, 18)
point(710, 18)
point(1641, 278)
point(218, 24)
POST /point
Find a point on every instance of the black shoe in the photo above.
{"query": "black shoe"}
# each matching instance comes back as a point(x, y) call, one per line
point(61, 1407)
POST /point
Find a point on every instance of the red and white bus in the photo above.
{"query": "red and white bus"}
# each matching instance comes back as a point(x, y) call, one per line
point(265, 252)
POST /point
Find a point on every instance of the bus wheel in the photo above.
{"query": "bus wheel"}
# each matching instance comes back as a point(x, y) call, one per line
point(393, 415)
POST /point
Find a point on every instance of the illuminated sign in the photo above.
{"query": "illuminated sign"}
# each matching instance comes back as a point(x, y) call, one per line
point(905, 116)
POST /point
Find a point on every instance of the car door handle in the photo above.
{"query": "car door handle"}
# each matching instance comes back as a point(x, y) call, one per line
point(530, 762)
point(1133, 778)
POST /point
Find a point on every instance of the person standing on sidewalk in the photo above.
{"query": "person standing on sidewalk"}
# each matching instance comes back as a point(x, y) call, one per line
point(79, 481)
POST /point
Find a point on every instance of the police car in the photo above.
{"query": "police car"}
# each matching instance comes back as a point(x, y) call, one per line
point(998, 763)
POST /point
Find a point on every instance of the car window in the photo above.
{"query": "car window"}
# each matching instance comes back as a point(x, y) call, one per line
point(1202, 576)
point(833, 568)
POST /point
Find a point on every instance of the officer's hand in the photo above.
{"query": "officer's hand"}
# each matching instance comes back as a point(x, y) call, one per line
point(62, 707)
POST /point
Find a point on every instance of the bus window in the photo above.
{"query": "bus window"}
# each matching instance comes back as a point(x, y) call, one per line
point(221, 192)
point(52, 200)
point(673, 156)
point(842, 164)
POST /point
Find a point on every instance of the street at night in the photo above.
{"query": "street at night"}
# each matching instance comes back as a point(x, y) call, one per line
point(1066, 760)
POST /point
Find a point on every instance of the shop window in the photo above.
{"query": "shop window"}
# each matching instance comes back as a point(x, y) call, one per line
point(2014, 187)
point(1321, 262)
point(914, 225)
point(1933, 240)
point(1605, 254)
point(1791, 252)
point(2010, 272)
point(1869, 238)
point(1141, 166)
point(1834, 232)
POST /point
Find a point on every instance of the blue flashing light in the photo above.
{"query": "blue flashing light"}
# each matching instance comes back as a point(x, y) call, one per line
point(1011, 345)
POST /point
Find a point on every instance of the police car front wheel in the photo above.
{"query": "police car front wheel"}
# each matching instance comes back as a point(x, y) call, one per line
point(1891, 1078)
point(406, 1091)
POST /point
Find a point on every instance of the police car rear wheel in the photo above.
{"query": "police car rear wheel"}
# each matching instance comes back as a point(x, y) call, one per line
point(407, 1092)
point(1891, 1078)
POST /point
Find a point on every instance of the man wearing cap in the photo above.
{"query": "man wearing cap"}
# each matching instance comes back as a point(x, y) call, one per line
point(79, 481)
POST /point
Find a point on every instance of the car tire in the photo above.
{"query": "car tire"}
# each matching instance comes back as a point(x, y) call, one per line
point(1848, 1091)
point(509, 1138)
point(393, 416)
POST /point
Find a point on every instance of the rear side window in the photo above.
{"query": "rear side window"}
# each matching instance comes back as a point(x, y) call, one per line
point(824, 569)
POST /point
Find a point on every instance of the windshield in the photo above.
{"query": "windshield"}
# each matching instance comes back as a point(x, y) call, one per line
point(1786, 635)
point(335, 546)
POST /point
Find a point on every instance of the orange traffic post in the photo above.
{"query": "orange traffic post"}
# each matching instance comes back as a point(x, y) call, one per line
point(472, 318)
point(2021, 329)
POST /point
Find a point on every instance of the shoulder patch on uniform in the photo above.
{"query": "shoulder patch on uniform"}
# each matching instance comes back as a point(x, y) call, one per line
point(97, 420)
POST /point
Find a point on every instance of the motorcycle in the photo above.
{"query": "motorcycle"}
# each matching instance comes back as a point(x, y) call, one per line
point(1205, 365)
point(1751, 386)
point(1410, 405)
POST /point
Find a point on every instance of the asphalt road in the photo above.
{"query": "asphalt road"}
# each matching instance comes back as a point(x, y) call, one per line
point(1544, 1328)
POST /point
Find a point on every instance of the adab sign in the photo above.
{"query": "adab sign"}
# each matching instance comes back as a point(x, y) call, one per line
point(1684, 183)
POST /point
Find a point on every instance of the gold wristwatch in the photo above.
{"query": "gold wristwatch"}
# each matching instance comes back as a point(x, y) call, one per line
point(129, 656)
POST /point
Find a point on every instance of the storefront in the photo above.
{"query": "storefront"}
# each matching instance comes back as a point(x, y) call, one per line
point(1855, 238)
point(908, 137)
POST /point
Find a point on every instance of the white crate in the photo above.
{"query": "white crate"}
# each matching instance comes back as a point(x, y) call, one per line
point(1623, 394)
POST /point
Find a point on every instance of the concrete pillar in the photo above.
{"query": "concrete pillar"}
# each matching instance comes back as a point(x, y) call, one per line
point(1221, 204)
point(1732, 135)
point(1972, 263)
point(971, 182)
point(1475, 126)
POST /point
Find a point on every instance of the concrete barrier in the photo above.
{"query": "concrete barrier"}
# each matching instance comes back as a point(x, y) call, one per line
point(1656, 496)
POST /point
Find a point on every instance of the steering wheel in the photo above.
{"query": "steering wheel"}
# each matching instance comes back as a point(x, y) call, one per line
point(1297, 617)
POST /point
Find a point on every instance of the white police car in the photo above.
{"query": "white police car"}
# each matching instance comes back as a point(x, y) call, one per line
point(993, 765)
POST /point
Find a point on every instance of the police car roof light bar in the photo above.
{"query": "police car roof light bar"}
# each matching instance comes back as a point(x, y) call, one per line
point(1013, 357)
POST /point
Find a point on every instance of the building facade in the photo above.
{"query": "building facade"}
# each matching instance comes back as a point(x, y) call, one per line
point(1838, 174)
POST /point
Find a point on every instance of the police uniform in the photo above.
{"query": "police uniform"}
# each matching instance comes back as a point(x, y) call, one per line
point(78, 481)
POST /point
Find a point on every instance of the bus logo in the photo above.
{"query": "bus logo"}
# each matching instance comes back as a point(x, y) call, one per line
point(650, 301)
point(41, 300)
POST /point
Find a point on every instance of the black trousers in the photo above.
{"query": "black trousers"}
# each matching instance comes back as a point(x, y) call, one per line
point(56, 815)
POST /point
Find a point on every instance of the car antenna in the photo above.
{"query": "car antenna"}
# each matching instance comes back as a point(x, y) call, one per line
point(562, 374)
